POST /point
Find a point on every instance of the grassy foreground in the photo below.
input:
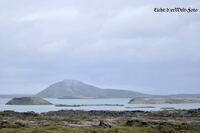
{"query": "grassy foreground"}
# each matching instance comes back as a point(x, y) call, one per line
point(70, 121)
point(119, 129)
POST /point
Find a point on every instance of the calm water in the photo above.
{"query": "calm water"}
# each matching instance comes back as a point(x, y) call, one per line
point(124, 101)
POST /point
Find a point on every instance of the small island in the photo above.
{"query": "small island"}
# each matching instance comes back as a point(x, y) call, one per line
point(140, 107)
point(80, 105)
point(141, 100)
point(28, 101)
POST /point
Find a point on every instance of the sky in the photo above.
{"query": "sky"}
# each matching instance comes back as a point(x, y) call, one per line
point(120, 44)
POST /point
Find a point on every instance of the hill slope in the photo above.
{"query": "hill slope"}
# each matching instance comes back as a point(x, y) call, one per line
point(77, 89)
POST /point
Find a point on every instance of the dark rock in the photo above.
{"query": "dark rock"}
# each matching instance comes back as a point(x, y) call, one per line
point(136, 123)
point(4, 124)
point(30, 113)
point(104, 124)
point(19, 124)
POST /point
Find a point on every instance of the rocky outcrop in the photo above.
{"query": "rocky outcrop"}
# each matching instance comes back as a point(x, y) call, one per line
point(104, 124)
point(9, 124)
point(160, 124)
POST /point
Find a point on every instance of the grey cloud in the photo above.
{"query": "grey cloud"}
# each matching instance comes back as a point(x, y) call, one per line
point(119, 44)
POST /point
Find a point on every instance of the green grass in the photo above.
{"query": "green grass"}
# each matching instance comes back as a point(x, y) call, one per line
point(119, 129)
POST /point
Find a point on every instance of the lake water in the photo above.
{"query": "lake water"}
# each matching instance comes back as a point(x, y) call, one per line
point(124, 101)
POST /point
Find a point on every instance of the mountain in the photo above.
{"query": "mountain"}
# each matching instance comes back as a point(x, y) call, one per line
point(78, 89)
point(28, 101)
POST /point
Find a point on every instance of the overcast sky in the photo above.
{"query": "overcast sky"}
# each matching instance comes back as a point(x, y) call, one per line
point(120, 44)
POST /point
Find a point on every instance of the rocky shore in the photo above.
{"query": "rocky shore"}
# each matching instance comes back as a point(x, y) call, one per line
point(167, 121)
